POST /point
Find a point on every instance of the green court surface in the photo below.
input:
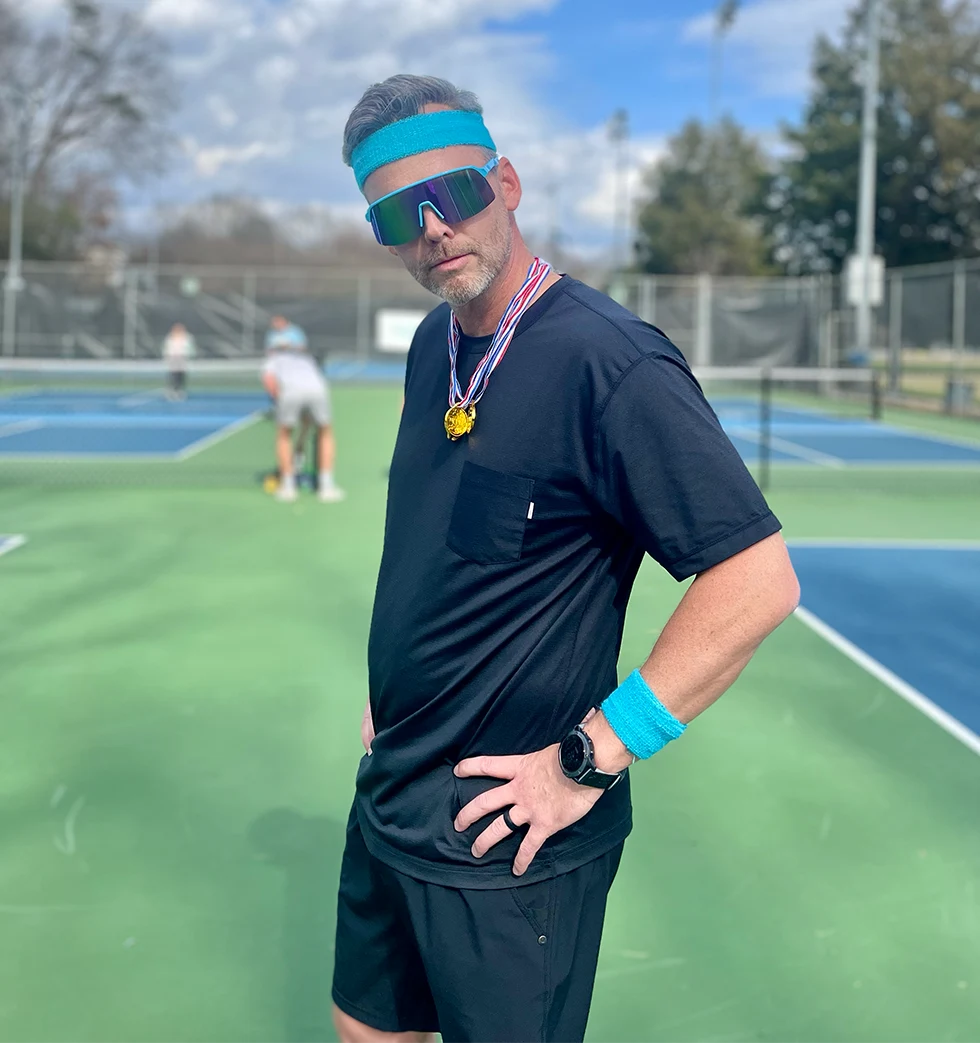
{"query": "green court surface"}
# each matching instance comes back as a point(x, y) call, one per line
point(182, 674)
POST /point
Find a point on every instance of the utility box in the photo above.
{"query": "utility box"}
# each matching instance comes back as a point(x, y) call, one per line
point(854, 280)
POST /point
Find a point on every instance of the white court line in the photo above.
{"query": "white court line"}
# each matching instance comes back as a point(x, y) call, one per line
point(9, 543)
point(138, 400)
point(902, 688)
point(813, 456)
point(218, 436)
point(905, 465)
point(17, 426)
point(929, 436)
point(953, 467)
point(87, 458)
point(875, 543)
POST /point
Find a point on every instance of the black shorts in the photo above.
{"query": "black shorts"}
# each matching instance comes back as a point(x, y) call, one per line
point(515, 964)
point(178, 379)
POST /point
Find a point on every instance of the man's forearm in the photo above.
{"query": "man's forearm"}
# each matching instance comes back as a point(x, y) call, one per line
point(722, 619)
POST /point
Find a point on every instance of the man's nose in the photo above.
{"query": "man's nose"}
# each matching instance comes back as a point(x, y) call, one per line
point(433, 226)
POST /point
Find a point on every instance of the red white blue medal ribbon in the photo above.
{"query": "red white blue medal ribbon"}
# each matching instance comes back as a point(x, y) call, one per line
point(536, 275)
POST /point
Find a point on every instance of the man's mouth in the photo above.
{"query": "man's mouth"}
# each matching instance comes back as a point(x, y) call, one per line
point(449, 264)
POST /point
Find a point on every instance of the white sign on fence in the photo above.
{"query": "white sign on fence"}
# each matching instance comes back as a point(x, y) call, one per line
point(854, 280)
point(394, 328)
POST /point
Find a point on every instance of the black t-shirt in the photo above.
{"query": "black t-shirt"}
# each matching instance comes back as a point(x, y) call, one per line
point(509, 557)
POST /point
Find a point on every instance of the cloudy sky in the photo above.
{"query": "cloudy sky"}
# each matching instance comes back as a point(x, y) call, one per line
point(267, 85)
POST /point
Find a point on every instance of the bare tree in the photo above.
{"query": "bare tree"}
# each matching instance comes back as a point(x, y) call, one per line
point(98, 91)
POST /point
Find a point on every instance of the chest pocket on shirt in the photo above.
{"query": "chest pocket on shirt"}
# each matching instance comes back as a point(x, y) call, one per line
point(489, 515)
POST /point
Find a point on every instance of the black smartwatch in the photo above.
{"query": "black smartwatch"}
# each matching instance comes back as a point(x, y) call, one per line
point(576, 755)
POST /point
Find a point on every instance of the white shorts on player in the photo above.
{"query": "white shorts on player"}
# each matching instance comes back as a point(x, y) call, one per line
point(292, 404)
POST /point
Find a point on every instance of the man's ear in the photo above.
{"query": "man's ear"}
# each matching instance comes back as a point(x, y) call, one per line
point(392, 251)
point(510, 184)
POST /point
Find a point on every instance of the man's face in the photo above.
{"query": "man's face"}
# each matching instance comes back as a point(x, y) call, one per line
point(456, 262)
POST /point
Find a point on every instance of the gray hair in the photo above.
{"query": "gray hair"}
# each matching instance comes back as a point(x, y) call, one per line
point(398, 98)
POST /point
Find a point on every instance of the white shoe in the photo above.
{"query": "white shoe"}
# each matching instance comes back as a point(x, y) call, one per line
point(331, 494)
point(287, 494)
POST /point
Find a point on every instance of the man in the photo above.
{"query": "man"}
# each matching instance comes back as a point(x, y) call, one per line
point(178, 350)
point(488, 825)
point(295, 382)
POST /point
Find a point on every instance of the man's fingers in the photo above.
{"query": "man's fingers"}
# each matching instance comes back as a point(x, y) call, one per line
point(497, 830)
point(367, 728)
point(489, 767)
point(528, 849)
point(492, 800)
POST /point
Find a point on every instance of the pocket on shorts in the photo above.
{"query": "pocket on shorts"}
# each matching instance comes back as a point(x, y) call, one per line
point(535, 904)
point(489, 515)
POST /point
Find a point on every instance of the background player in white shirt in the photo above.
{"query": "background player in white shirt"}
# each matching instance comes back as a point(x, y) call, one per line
point(293, 378)
point(178, 349)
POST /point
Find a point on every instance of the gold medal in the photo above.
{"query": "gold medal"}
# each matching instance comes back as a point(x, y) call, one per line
point(459, 421)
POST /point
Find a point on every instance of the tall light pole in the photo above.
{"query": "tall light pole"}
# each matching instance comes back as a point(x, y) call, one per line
point(869, 164)
point(619, 132)
point(22, 104)
point(724, 20)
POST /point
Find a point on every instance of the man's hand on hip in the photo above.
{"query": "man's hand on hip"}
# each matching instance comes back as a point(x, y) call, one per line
point(537, 794)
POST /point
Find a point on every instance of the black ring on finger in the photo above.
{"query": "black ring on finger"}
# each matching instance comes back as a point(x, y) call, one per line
point(508, 821)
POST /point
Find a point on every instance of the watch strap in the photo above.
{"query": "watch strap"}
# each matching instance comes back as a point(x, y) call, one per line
point(600, 779)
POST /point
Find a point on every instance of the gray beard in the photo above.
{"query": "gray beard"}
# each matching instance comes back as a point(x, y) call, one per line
point(490, 264)
point(459, 296)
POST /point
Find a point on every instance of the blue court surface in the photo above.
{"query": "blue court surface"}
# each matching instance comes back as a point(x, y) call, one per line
point(83, 423)
point(117, 424)
point(808, 436)
point(913, 608)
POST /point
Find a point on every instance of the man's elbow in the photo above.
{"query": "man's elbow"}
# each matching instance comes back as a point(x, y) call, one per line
point(776, 581)
point(786, 596)
point(782, 587)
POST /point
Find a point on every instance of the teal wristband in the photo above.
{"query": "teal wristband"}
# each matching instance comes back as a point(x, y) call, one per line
point(642, 722)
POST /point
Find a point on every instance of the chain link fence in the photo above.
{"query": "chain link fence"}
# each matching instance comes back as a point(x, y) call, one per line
point(75, 311)
point(927, 331)
point(726, 321)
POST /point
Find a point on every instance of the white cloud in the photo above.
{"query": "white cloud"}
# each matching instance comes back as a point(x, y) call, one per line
point(771, 42)
point(268, 88)
point(224, 115)
point(325, 122)
point(42, 11)
point(771, 22)
point(209, 160)
point(185, 15)
point(275, 72)
point(600, 205)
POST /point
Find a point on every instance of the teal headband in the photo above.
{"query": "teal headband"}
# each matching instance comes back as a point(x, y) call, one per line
point(423, 133)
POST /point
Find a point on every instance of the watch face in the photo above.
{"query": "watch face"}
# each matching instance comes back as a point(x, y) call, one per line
point(572, 754)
